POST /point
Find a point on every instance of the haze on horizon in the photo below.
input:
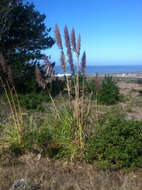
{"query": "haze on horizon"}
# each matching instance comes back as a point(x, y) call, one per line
point(111, 31)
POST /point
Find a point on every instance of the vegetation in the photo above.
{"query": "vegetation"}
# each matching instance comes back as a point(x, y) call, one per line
point(21, 43)
point(72, 118)
point(117, 144)
point(72, 130)
point(109, 91)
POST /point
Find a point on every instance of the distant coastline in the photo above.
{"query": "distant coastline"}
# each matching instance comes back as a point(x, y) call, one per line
point(108, 69)
point(134, 75)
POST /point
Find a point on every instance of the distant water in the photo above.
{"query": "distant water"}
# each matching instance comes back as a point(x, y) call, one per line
point(107, 69)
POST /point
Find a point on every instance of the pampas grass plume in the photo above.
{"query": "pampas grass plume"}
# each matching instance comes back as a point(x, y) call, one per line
point(67, 38)
point(39, 78)
point(78, 45)
point(73, 40)
point(58, 37)
point(63, 61)
point(83, 63)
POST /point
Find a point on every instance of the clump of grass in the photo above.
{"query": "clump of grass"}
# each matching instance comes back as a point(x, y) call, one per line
point(14, 130)
point(77, 111)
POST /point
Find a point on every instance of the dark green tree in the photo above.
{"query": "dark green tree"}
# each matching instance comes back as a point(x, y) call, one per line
point(25, 36)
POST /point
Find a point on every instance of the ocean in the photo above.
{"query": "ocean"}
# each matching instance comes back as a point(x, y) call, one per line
point(106, 69)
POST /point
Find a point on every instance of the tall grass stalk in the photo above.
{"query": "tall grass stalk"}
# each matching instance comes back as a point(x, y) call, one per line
point(14, 107)
point(55, 107)
point(78, 105)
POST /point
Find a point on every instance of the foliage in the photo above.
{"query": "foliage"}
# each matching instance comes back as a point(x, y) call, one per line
point(33, 100)
point(16, 124)
point(66, 134)
point(139, 81)
point(90, 86)
point(109, 91)
point(56, 86)
point(5, 7)
point(22, 42)
point(117, 144)
point(37, 138)
point(34, 138)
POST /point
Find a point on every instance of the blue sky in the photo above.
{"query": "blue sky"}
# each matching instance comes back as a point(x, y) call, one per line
point(111, 30)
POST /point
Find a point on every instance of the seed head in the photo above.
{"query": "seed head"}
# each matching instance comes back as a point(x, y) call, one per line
point(70, 59)
point(58, 37)
point(78, 45)
point(83, 63)
point(48, 66)
point(40, 80)
point(63, 61)
point(67, 38)
point(73, 40)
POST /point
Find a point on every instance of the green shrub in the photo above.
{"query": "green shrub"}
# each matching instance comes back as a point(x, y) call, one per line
point(139, 81)
point(38, 139)
point(109, 91)
point(90, 86)
point(140, 92)
point(33, 100)
point(56, 86)
point(118, 144)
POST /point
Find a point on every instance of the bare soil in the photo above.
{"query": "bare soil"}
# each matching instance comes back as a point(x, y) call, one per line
point(47, 174)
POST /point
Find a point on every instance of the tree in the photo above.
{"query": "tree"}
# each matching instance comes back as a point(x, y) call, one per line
point(5, 8)
point(24, 39)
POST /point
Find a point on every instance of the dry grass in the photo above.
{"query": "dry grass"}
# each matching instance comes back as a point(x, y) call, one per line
point(60, 175)
point(14, 105)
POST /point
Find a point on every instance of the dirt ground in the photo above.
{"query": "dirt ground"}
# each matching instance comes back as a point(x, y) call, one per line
point(129, 88)
point(131, 99)
point(45, 174)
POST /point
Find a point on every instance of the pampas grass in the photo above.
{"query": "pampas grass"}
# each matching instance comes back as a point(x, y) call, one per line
point(78, 45)
point(78, 106)
point(17, 118)
point(49, 67)
point(67, 38)
point(83, 63)
point(58, 37)
point(40, 80)
point(63, 61)
point(69, 52)
point(73, 40)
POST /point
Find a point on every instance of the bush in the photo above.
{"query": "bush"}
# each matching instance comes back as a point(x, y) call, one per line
point(38, 139)
point(109, 91)
point(33, 100)
point(139, 81)
point(56, 86)
point(90, 86)
point(117, 145)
